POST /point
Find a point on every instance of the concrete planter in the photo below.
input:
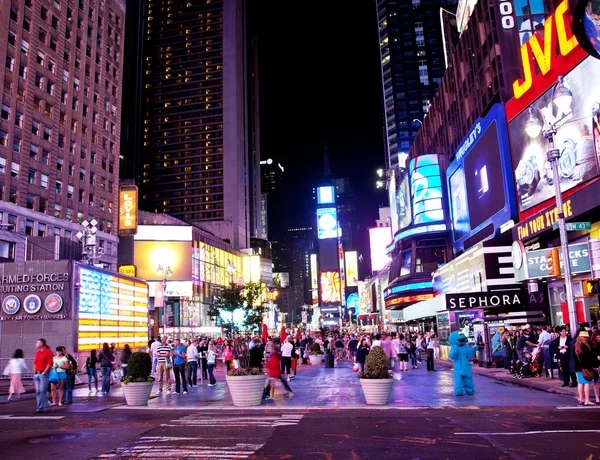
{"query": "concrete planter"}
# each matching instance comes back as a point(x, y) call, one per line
point(377, 391)
point(247, 390)
point(137, 393)
point(315, 360)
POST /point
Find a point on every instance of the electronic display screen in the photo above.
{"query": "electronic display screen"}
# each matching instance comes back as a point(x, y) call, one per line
point(426, 189)
point(331, 288)
point(327, 223)
point(326, 195)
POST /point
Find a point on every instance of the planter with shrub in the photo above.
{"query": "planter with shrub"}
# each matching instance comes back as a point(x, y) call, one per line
point(246, 386)
point(316, 355)
point(376, 381)
point(137, 386)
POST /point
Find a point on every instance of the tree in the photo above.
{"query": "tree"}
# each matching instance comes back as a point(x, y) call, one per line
point(253, 304)
point(247, 297)
point(229, 300)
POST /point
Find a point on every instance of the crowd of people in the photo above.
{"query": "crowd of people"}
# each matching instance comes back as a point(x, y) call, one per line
point(578, 359)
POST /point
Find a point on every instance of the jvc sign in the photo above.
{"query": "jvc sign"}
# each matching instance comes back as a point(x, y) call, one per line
point(493, 299)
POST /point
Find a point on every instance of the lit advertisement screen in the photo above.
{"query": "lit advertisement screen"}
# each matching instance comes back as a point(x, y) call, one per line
point(351, 268)
point(326, 195)
point(380, 238)
point(480, 181)
point(176, 255)
point(426, 190)
point(331, 288)
point(327, 223)
point(578, 144)
point(112, 309)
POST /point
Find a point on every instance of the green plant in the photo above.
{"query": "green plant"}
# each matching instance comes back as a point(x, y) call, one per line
point(376, 365)
point(245, 372)
point(315, 349)
point(139, 368)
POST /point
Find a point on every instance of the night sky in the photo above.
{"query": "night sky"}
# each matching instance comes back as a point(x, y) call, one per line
point(320, 85)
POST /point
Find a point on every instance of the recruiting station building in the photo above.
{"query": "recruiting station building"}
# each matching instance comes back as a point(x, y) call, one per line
point(68, 303)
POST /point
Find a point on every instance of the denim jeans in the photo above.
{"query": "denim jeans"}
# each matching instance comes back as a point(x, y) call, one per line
point(92, 374)
point(413, 359)
point(179, 371)
point(124, 369)
point(192, 373)
point(106, 379)
point(41, 390)
point(419, 355)
point(154, 363)
point(211, 366)
point(68, 393)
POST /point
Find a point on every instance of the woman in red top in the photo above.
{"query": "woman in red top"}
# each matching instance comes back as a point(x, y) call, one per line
point(273, 367)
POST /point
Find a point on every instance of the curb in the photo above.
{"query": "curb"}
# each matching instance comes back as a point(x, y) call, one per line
point(507, 379)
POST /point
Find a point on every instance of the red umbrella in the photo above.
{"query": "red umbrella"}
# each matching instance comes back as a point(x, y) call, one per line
point(265, 332)
point(283, 333)
point(298, 334)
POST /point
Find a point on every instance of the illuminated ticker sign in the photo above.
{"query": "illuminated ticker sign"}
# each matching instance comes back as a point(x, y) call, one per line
point(128, 210)
point(408, 299)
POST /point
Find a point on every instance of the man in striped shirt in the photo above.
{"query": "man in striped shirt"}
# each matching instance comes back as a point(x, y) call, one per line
point(163, 365)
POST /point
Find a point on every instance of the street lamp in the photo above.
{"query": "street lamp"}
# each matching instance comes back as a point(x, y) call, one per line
point(230, 269)
point(165, 273)
point(416, 120)
point(562, 97)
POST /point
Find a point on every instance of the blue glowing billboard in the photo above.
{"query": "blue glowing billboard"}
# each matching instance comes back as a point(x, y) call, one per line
point(480, 182)
point(327, 223)
point(426, 189)
point(326, 195)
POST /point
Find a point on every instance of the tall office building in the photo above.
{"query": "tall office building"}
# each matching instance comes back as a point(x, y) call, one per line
point(301, 244)
point(60, 120)
point(412, 66)
point(201, 155)
point(272, 178)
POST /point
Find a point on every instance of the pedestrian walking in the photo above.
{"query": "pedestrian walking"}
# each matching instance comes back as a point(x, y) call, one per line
point(60, 366)
point(92, 372)
point(192, 361)
point(164, 365)
point(584, 367)
point(402, 353)
point(507, 350)
point(565, 351)
point(70, 378)
point(153, 350)
point(432, 347)
point(287, 350)
point(227, 356)
point(274, 374)
point(42, 365)
point(361, 354)
point(15, 368)
point(125, 355)
point(211, 359)
point(106, 365)
point(179, 357)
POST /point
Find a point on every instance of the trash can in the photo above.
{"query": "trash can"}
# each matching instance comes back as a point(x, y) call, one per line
point(329, 360)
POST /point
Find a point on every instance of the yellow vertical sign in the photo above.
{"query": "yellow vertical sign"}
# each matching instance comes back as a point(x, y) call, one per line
point(128, 210)
point(351, 268)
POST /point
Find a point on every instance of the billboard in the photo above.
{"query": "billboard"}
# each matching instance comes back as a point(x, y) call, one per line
point(480, 180)
point(176, 255)
point(111, 308)
point(128, 210)
point(364, 297)
point(314, 278)
point(426, 189)
point(380, 238)
point(463, 13)
point(36, 290)
point(351, 268)
point(331, 288)
point(326, 195)
point(576, 138)
point(327, 225)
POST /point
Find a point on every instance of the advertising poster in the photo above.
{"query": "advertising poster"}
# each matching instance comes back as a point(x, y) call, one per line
point(176, 255)
point(351, 268)
point(314, 278)
point(426, 190)
point(331, 291)
point(380, 238)
point(579, 146)
point(327, 223)
point(128, 210)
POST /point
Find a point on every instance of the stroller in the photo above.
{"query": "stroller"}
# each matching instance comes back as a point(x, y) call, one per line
point(530, 366)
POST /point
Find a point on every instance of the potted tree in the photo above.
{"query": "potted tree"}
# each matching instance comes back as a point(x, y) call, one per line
point(316, 355)
point(246, 386)
point(137, 386)
point(376, 381)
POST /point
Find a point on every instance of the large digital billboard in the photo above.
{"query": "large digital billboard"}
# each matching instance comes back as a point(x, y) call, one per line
point(380, 238)
point(351, 268)
point(480, 181)
point(326, 195)
point(327, 226)
point(426, 190)
point(331, 288)
point(128, 210)
point(575, 138)
point(176, 255)
point(111, 308)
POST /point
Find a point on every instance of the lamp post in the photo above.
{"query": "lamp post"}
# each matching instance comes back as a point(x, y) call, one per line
point(165, 273)
point(562, 97)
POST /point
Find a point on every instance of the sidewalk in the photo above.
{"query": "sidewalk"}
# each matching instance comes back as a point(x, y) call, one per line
point(538, 383)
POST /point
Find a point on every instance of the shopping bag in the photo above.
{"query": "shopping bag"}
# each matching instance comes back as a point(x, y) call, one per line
point(356, 367)
point(53, 378)
point(117, 375)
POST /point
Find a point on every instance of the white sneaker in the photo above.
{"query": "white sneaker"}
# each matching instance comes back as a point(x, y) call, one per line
point(158, 393)
point(170, 392)
point(185, 392)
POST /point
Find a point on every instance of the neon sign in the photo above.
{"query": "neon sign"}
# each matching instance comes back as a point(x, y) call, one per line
point(409, 299)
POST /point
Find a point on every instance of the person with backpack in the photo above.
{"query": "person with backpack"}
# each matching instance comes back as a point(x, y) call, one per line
point(92, 372)
point(106, 365)
point(70, 379)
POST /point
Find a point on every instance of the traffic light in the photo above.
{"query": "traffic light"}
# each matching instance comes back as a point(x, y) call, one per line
point(592, 287)
point(553, 262)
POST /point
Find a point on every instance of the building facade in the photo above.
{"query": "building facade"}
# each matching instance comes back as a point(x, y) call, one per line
point(60, 121)
point(200, 153)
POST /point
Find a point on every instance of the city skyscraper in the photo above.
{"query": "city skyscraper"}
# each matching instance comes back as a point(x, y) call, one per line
point(201, 154)
point(412, 66)
point(60, 121)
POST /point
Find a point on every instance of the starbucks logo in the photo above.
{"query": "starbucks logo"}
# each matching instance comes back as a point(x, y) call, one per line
point(54, 303)
point(32, 304)
point(11, 304)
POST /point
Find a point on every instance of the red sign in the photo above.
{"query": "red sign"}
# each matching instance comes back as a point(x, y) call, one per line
point(543, 59)
point(409, 299)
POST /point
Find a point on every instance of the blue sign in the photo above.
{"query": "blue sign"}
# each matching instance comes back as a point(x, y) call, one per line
point(480, 181)
point(327, 226)
point(407, 287)
point(11, 304)
point(326, 195)
point(426, 189)
point(353, 301)
point(32, 304)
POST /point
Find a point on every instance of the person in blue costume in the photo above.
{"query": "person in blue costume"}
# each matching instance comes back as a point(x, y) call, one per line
point(461, 353)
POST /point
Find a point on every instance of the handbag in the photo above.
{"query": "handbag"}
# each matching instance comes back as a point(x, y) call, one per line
point(590, 374)
point(53, 376)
